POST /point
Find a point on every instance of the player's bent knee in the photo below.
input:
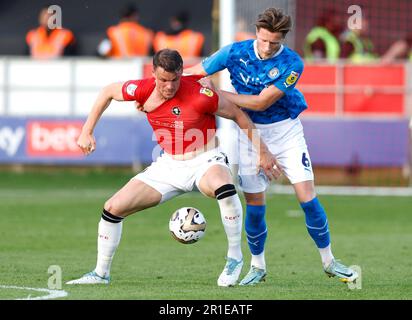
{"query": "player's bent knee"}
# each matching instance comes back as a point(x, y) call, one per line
point(255, 199)
point(305, 191)
point(225, 191)
point(113, 207)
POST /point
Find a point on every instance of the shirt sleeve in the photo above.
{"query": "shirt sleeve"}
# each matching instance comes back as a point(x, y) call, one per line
point(217, 61)
point(289, 78)
point(138, 90)
point(209, 100)
point(130, 91)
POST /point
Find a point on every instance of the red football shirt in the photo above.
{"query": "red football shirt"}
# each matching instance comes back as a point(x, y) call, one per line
point(183, 123)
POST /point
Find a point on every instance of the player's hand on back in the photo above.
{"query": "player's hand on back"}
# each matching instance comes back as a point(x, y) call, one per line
point(207, 82)
point(86, 142)
point(269, 164)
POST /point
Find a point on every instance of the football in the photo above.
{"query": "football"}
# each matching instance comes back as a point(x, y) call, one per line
point(187, 225)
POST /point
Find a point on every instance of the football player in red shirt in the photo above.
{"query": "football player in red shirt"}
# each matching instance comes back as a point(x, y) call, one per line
point(182, 115)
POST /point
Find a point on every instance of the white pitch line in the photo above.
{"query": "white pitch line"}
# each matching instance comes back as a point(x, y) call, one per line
point(52, 294)
point(50, 193)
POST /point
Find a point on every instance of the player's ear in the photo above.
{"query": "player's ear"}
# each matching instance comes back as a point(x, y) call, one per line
point(154, 75)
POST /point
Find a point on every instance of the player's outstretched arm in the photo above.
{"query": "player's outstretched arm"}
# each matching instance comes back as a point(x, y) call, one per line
point(86, 140)
point(260, 102)
point(267, 160)
point(195, 70)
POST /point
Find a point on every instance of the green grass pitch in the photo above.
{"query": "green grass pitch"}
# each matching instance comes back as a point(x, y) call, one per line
point(51, 219)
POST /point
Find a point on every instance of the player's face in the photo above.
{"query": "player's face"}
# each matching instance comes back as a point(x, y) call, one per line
point(167, 83)
point(44, 17)
point(268, 43)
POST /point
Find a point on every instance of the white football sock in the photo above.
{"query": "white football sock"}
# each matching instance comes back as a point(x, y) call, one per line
point(108, 240)
point(231, 213)
point(259, 261)
point(326, 255)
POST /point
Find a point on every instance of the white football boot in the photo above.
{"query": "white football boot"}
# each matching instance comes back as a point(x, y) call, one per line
point(230, 273)
point(254, 276)
point(90, 278)
point(342, 272)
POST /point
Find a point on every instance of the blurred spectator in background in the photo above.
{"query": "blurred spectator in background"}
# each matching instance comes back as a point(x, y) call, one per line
point(128, 38)
point(46, 43)
point(242, 32)
point(356, 46)
point(322, 42)
point(179, 37)
point(399, 50)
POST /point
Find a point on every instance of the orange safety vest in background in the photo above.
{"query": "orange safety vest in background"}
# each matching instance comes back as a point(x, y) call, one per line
point(129, 39)
point(189, 43)
point(47, 46)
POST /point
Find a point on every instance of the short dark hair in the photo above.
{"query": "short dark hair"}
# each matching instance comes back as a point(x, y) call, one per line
point(183, 17)
point(129, 10)
point(274, 20)
point(169, 60)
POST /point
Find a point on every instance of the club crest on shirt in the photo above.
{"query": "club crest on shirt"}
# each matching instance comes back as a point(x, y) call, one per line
point(293, 77)
point(176, 110)
point(273, 73)
point(131, 88)
point(206, 92)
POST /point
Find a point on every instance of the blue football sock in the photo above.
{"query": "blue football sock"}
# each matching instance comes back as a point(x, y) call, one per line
point(316, 222)
point(255, 226)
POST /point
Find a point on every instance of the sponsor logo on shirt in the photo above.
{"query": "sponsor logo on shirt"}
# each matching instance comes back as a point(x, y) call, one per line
point(293, 77)
point(131, 88)
point(173, 124)
point(253, 81)
point(206, 92)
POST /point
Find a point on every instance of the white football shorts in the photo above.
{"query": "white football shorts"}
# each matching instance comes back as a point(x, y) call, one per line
point(173, 177)
point(285, 139)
